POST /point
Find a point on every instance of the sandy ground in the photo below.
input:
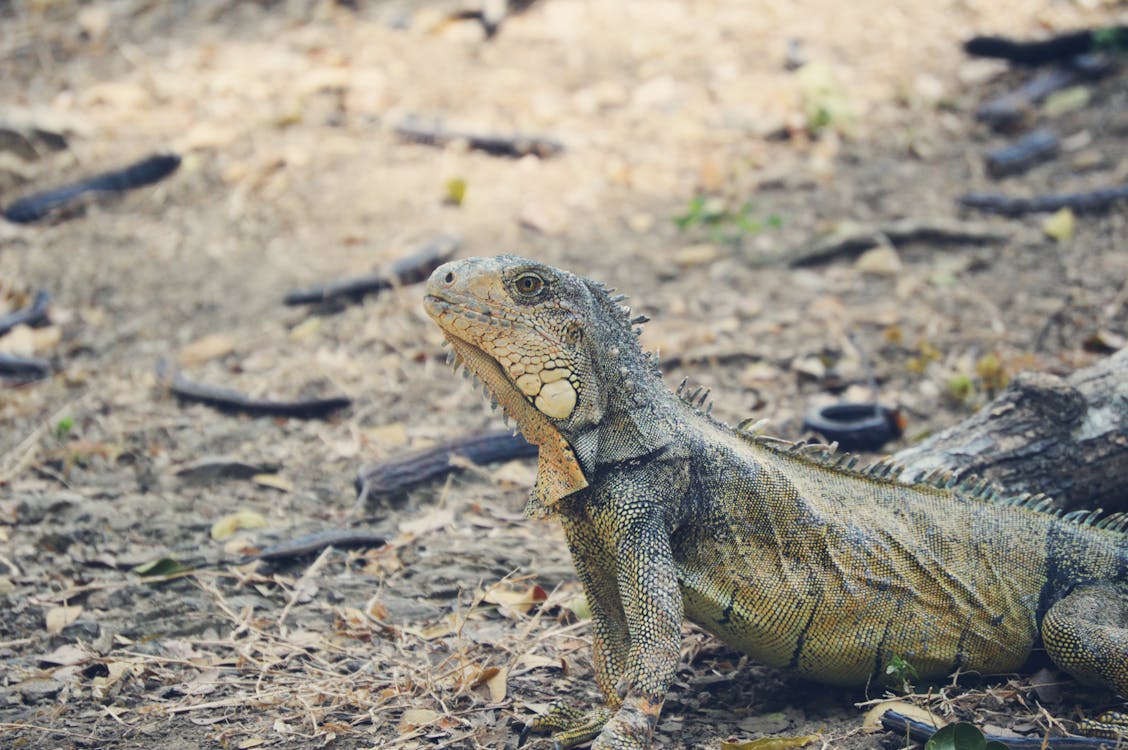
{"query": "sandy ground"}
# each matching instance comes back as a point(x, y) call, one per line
point(292, 174)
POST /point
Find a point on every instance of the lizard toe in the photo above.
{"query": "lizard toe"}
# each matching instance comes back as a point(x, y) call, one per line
point(568, 724)
point(1111, 725)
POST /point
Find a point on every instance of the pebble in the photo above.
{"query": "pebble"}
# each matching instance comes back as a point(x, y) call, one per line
point(39, 689)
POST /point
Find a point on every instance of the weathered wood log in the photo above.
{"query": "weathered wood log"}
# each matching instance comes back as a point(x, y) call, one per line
point(1065, 437)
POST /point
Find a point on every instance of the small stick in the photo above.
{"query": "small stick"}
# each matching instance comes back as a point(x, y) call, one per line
point(316, 542)
point(27, 368)
point(230, 400)
point(404, 472)
point(1056, 48)
point(854, 240)
point(1009, 109)
point(1094, 201)
point(408, 270)
point(296, 592)
point(145, 172)
point(1029, 151)
point(918, 731)
point(516, 145)
point(33, 315)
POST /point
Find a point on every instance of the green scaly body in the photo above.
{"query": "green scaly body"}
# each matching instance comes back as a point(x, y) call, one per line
point(789, 555)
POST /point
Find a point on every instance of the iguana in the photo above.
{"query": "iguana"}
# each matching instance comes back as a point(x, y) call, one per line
point(803, 561)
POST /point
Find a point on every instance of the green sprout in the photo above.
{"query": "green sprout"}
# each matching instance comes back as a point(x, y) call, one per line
point(721, 220)
point(63, 428)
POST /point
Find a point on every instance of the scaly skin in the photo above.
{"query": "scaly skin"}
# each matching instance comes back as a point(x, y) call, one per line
point(798, 560)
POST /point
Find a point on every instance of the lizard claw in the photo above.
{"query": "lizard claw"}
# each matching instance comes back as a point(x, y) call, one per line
point(1111, 725)
point(570, 726)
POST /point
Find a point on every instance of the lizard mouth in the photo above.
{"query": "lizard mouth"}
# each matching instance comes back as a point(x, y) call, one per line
point(487, 369)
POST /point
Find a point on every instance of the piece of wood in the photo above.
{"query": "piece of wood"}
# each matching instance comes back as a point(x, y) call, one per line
point(1093, 201)
point(852, 240)
point(1065, 437)
point(410, 269)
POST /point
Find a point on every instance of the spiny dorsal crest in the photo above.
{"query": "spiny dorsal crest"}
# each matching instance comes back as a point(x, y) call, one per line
point(619, 315)
point(697, 399)
point(889, 470)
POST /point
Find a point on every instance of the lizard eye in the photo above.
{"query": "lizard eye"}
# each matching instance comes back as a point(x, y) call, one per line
point(528, 284)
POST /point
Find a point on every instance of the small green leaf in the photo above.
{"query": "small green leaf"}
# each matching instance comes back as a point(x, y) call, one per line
point(962, 736)
point(1109, 40)
point(160, 568)
point(580, 607)
point(455, 191)
point(63, 428)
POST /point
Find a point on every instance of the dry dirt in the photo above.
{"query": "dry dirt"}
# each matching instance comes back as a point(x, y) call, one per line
point(292, 174)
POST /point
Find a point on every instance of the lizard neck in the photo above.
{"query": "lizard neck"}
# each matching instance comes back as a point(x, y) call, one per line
point(639, 415)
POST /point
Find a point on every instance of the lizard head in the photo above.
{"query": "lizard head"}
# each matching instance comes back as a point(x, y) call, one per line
point(541, 340)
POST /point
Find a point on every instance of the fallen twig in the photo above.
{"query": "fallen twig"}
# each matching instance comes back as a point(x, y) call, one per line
point(854, 239)
point(1011, 108)
point(24, 368)
point(1053, 49)
point(33, 315)
point(1093, 201)
point(316, 542)
point(408, 270)
point(918, 731)
point(389, 478)
point(145, 172)
point(230, 400)
point(1028, 151)
point(516, 145)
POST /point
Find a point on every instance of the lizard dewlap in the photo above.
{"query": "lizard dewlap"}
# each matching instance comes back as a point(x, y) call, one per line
point(786, 552)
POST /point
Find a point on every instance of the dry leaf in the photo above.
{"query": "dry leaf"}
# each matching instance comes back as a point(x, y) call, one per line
point(444, 627)
point(306, 329)
point(45, 339)
point(59, 617)
point(696, 255)
point(536, 661)
point(871, 722)
point(496, 684)
point(229, 524)
point(882, 260)
point(1060, 225)
point(512, 602)
point(18, 341)
point(66, 655)
point(518, 473)
point(101, 684)
point(212, 346)
point(479, 676)
point(414, 717)
point(376, 610)
point(274, 481)
point(432, 520)
point(391, 435)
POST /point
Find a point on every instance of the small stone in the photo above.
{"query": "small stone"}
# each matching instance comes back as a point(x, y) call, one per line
point(1088, 160)
point(84, 629)
point(696, 255)
point(882, 260)
point(811, 367)
point(39, 689)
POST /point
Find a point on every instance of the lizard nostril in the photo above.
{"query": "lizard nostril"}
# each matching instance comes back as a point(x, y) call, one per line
point(449, 278)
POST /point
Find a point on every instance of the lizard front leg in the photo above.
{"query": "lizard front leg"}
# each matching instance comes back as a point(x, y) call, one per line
point(620, 543)
point(610, 639)
point(632, 514)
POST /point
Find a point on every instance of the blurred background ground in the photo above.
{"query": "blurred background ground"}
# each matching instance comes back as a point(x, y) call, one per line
point(799, 117)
